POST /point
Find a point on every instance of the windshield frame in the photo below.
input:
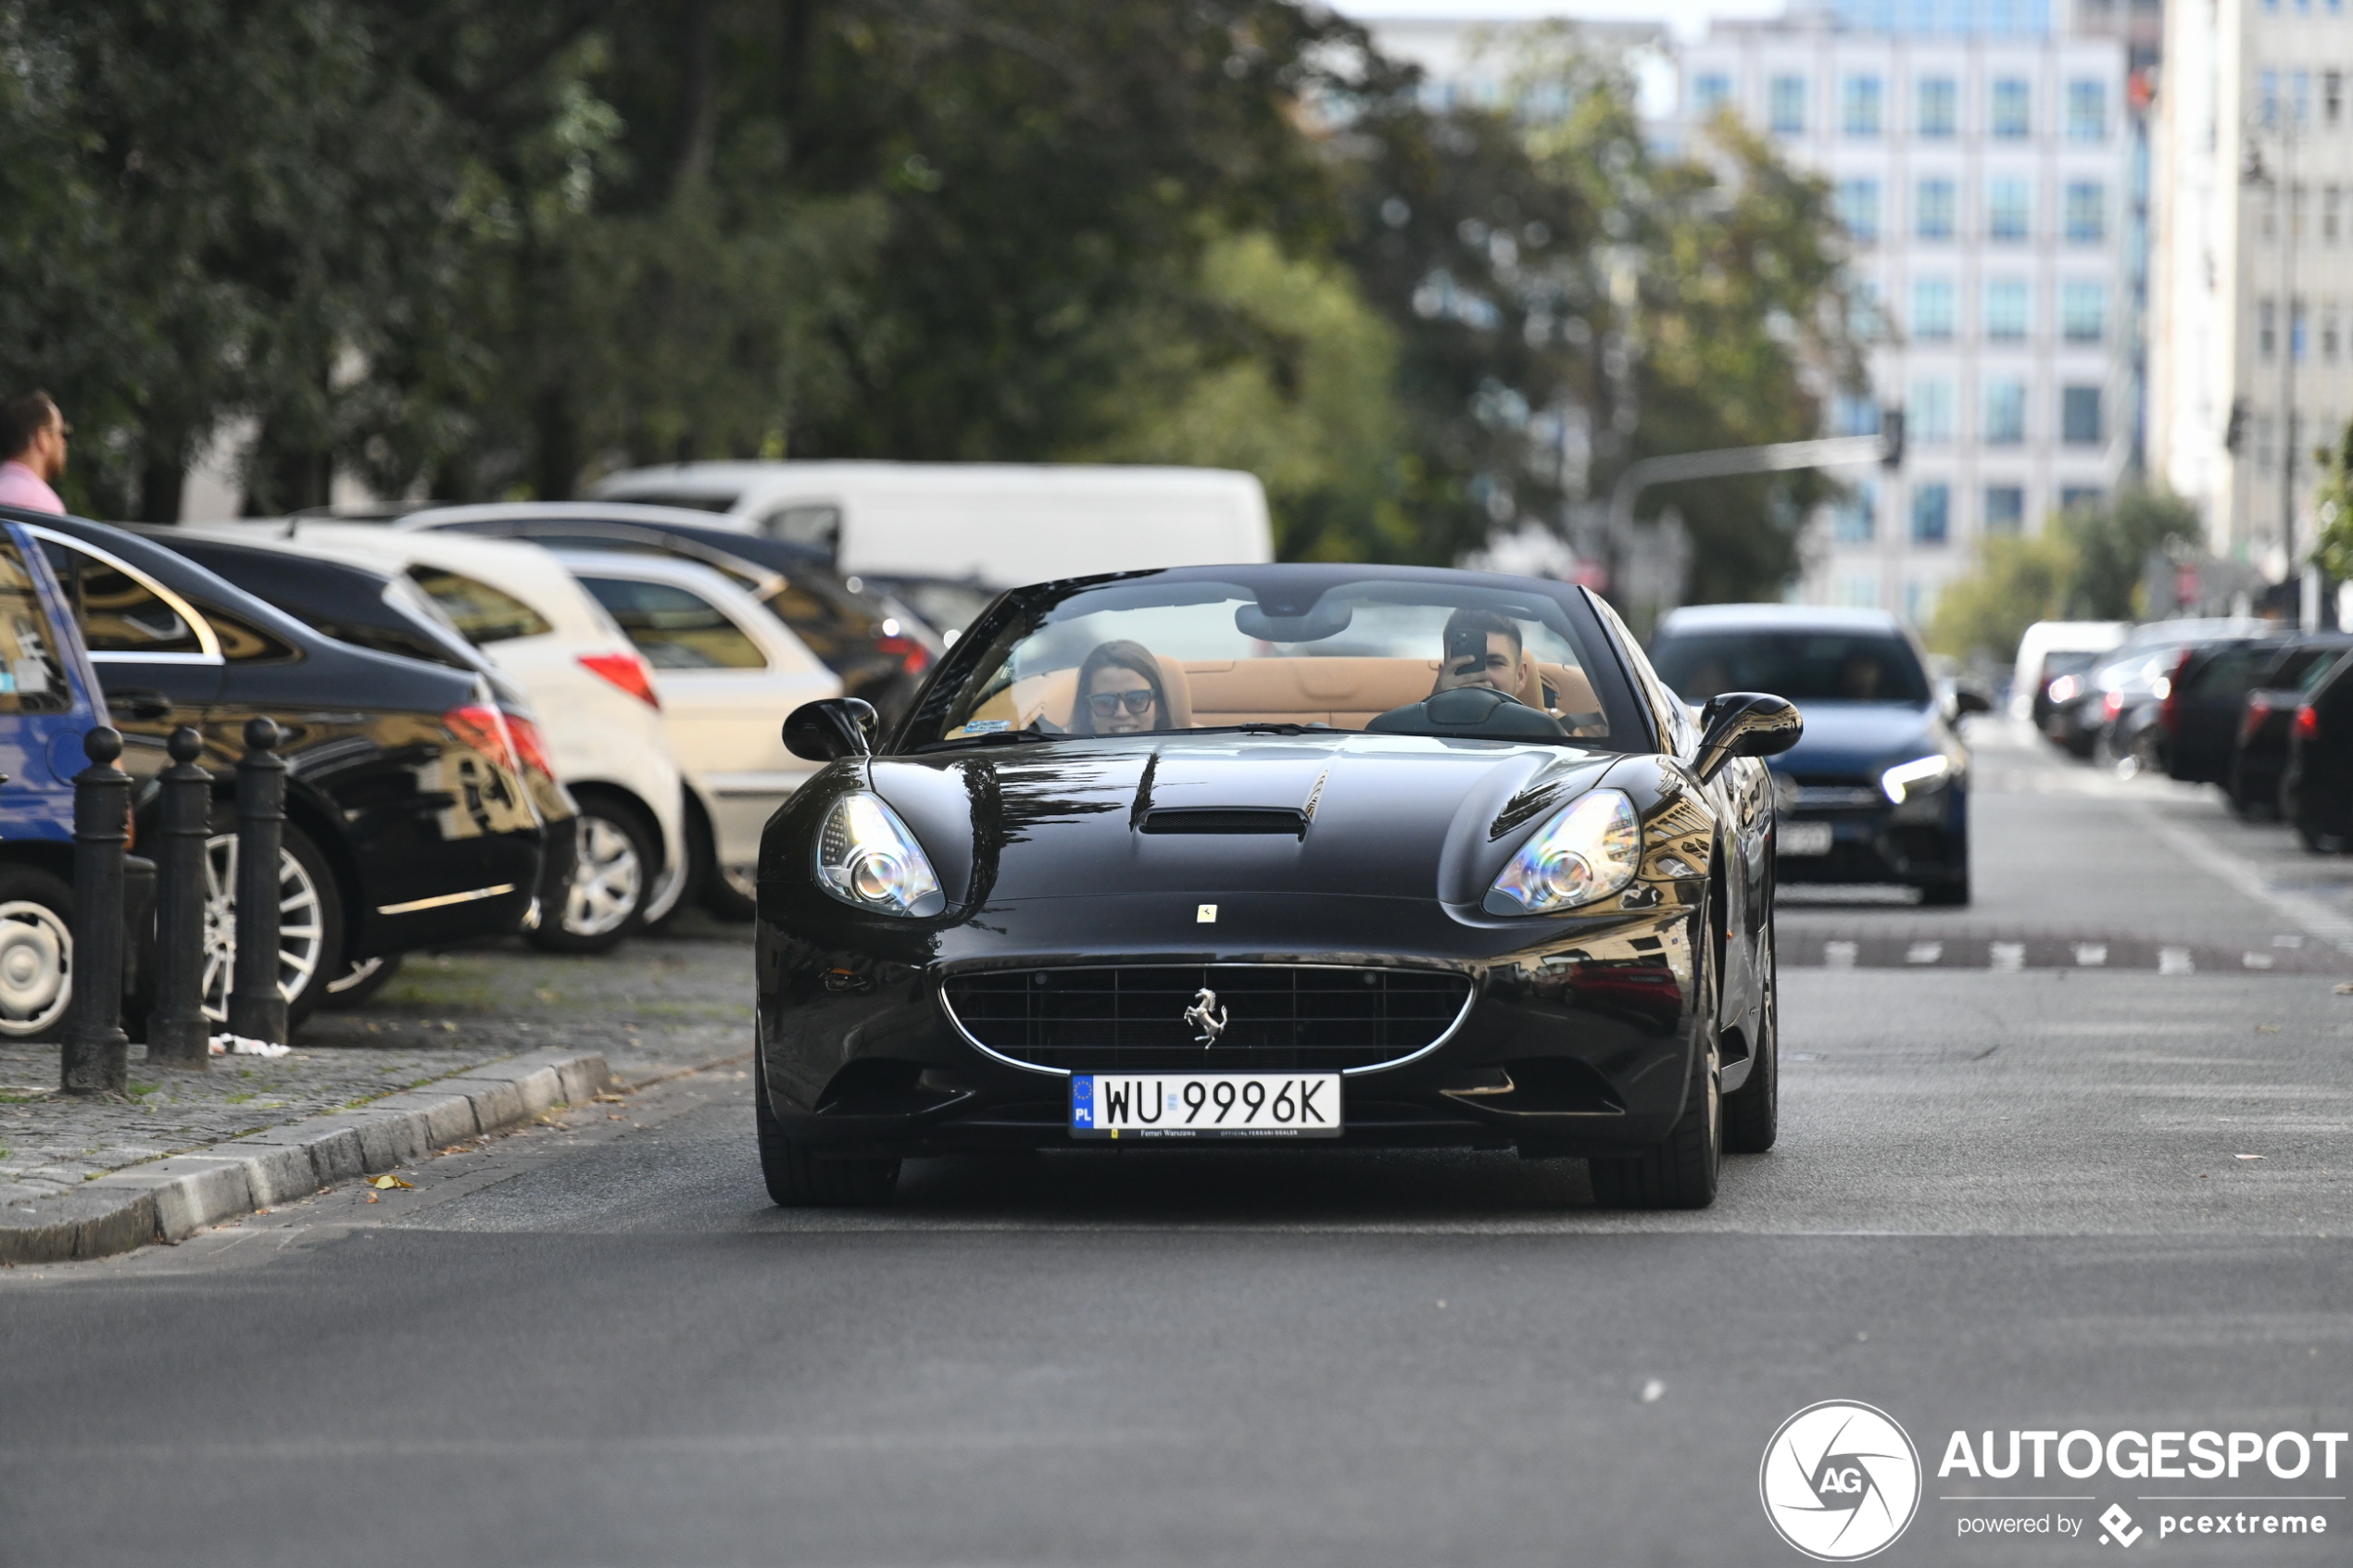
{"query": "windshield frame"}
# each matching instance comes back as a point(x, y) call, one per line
point(1021, 612)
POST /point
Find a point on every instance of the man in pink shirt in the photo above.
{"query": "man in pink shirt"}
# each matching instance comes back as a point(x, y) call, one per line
point(34, 434)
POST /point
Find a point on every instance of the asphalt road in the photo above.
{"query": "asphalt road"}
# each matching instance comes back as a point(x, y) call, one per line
point(2002, 1201)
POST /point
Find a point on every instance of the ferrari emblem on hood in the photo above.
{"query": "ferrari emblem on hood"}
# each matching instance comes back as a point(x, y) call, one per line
point(1206, 1016)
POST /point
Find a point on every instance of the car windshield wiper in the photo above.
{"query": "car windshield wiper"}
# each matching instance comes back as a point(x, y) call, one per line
point(1268, 727)
point(991, 737)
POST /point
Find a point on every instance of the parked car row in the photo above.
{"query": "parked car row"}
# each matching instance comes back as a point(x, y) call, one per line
point(2264, 715)
point(562, 721)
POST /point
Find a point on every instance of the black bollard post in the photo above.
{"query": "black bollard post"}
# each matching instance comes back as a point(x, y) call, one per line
point(177, 1032)
point(97, 1053)
point(256, 1008)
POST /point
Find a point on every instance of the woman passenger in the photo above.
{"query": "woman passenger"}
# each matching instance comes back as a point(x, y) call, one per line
point(1119, 692)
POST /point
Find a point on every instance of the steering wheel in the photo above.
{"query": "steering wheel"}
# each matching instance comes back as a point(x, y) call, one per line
point(1471, 710)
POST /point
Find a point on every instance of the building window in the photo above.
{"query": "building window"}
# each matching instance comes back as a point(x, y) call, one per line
point(1858, 209)
point(1932, 311)
point(2267, 329)
point(1937, 99)
point(1929, 421)
point(2010, 119)
point(1856, 591)
point(2086, 212)
point(2295, 344)
point(2267, 96)
point(1711, 90)
point(2080, 498)
point(2080, 415)
point(2332, 213)
point(2329, 339)
point(1933, 209)
point(2005, 209)
point(1932, 513)
point(1785, 105)
point(2087, 111)
point(2004, 413)
point(1855, 520)
point(2005, 508)
point(1852, 415)
point(2005, 310)
point(2084, 311)
point(2300, 97)
point(1860, 106)
point(2332, 95)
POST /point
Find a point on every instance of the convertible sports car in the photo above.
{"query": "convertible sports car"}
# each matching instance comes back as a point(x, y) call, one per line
point(1366, 854)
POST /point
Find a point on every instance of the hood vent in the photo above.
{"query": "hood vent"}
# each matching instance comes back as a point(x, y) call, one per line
point(1226, 819)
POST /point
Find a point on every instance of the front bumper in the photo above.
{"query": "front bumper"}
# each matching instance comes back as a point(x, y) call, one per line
point(1576, 1038)
point(1923, 840)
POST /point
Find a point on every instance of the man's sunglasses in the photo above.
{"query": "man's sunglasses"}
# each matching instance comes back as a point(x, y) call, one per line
point(1105, 704)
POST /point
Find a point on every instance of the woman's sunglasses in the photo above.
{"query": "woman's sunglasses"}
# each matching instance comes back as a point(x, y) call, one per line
point(1107, 704)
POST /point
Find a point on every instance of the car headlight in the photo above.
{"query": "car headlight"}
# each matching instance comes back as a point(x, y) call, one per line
point(866, 858)
point(1589, 850)
point(1898, 780)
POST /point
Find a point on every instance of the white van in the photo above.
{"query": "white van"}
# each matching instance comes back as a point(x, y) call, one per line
point(1000, 524)
point(2047, 637)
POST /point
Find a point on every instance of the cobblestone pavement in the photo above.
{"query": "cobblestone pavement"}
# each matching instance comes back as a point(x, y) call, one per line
point(655, 1005)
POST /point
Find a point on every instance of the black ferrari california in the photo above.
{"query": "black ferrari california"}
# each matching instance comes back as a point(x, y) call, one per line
point(1343, 855)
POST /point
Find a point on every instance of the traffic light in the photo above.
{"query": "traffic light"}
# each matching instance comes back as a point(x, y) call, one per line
point(1891, 437)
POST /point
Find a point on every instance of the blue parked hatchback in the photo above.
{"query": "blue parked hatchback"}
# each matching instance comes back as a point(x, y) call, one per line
point(49, 699)
point(1878, 789)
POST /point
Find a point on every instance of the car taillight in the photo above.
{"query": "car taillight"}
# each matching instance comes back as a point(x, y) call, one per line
point(911, 655)
point(2112, 704)
point(480, 727)
point(2169, 708)
point(627, 670)
point(2258, 711)
point(529, 745)
point(2064, 688)
point(2308, 722)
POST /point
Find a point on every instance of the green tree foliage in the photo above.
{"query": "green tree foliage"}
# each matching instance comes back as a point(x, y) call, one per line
point(2112, 542)
point(2089, 564)
point(2332, 504)
point(494, 247)
point(1312, 410)
point(2017, 581)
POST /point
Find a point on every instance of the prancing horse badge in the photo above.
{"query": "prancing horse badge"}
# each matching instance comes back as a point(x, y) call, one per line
point(1206, 1016)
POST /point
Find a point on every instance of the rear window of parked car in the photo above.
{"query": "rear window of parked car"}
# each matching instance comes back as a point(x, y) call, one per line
point(32, 678)
point(1799, 665)
point(481, 612)
point(676, 629)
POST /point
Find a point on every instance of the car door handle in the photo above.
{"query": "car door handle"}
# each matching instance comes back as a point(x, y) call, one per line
point(139, 702)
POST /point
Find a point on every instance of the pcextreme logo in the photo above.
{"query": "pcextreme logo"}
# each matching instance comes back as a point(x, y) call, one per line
point(1840, 1480)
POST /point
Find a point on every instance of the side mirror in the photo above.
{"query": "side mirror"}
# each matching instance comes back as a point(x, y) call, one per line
point(1743, 724)
point(840, 726)
point(1967, 700)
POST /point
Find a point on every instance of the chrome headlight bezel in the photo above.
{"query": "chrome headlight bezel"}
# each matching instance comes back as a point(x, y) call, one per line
point(869, 860)
point(1586, 851)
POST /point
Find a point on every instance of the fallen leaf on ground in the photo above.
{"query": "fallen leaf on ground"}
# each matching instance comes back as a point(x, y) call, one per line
point(385, 1183)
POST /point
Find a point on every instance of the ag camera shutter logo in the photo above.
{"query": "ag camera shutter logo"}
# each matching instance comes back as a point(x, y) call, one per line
point(1840, 1480)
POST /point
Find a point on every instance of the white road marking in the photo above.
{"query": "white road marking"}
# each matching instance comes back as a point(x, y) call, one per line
point(1924, 952)
point(2007, 956)
point(1838, 955)
point(2175, 960)
point(2091, 955)
point(2244, 874)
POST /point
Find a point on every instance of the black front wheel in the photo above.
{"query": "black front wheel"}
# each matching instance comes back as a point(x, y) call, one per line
point(797, 1178)
point(1680, 1172)
point(614, 865)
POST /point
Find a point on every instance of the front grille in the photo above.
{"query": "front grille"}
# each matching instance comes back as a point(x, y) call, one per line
point(1277, 1016)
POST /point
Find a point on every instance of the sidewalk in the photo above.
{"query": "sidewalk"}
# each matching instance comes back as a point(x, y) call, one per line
point(652, 1007)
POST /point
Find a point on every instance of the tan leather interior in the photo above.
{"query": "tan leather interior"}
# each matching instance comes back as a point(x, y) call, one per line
point(1344, 693)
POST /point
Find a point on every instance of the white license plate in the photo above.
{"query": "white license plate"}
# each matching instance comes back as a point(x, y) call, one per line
point(1803, 838)
point(1204, 1105)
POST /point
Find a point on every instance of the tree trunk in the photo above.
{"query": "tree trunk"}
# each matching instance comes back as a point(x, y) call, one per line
point(556, 454)
point(161, 482)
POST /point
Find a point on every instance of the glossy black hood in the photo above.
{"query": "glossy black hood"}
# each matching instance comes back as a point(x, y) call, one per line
point(1375, 815)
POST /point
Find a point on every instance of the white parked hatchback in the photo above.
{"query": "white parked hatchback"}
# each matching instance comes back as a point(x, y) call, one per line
point(599, 710)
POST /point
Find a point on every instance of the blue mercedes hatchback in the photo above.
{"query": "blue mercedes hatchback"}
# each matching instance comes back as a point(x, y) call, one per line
point(49, 699)
point(1878, 788)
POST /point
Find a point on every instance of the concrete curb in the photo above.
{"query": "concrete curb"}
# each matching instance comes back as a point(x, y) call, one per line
point(168, 1199)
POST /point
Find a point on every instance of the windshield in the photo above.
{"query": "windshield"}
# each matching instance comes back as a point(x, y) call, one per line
point(1304, 647)
point(1799, 665)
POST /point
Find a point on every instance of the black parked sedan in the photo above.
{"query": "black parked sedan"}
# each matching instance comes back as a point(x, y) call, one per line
point(1356, 854)
point(407, 825)
point(2267, 720)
